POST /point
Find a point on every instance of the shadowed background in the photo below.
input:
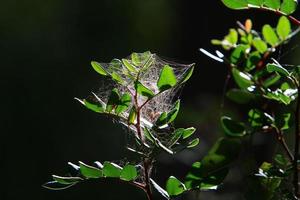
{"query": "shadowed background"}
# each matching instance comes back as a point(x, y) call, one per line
point(45, 50)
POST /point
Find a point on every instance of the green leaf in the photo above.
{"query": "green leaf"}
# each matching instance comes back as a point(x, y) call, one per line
point(167, 78)
point(140, 59)
point(113, 100)
point(260, 45)
point(166, 118)
point(98, 68)
point(129, 66)
point(171, 116)
point(282, 121)
point(174, 187)
point(240, 96)
point(252, 61)
point(270, 35)
point(132, 115)
point(124, 103)
point(142, 90)
point(116, 77)
point(236, 4)
point(271, 80)
point(111, 170)
point(283, 28)
point(238, 53)
point(274, 4)
point(129, 173)
point(288, 6)
point(193, 143)
point(89, 171)
point(176, 135)
point(188, 132)
point(54, 185)
point(149, 136)
point(232, 37)
point(256, 2)
point(96, 107)
point(187, 75)
point(277, 68)
point(242, 79)
point(232, 128)
point(66, 180)
point(223, 152)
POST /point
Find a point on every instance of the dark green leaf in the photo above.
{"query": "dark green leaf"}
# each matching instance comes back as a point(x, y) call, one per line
point(54, 185)
point(288, 6)
point(187, 75)
point(240, 96)
point(142, 90)
point(236, 4)
point(271, 80)
point(111, 170)
point(129, 173)
point(274, 4)
point(283, 28)
point(174, 187)
point(193, 143)
point(270, 35)
point(223, 152)
point(98, 68)
point(238, 54)
point(277, 68)
point(124, 103)
point(233, 128)
point(242, 79)
point(90, 171)
point(66, 180)
point(167, 78)
point(252, 61)
point(113, 100)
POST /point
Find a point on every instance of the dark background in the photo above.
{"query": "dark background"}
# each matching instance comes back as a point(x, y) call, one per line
point(45, 50)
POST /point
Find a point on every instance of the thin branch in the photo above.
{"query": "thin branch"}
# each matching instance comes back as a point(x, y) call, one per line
point(281, 140)
point(296, 147)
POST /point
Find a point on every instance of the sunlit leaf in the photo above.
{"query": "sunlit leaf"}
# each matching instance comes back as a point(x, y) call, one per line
point(129, 173)
point(124, 103)
point(274, 4)
point(236, 4)
point(283, 28)
point(111, 170)
point(260, 45)
point(90, 171)
point(98, 68)
point(174, 187)
point(288, 6)
point(270, 35)
point(143, 90)
point(167, 78)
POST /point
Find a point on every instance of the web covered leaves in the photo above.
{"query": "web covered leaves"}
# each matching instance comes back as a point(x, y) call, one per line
point(286, 7)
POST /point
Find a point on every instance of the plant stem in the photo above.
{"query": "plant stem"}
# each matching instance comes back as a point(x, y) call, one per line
point(147, 162)
point(283, 143)
point(296, 147)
